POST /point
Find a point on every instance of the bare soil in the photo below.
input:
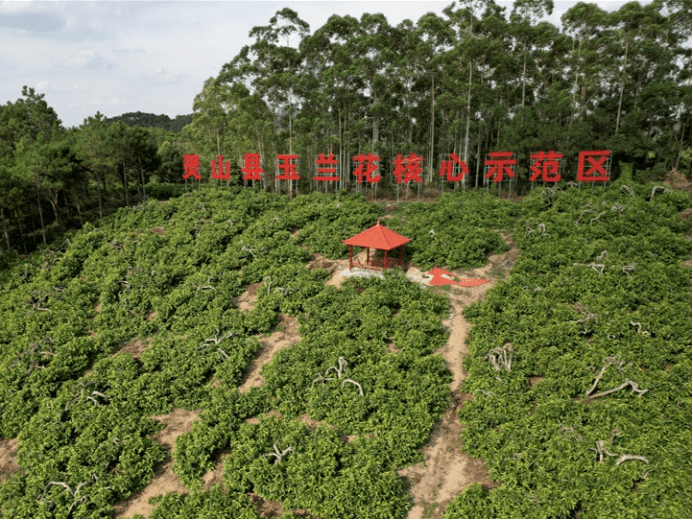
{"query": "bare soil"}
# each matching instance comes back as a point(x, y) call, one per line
point(677, 180)
point(214, 477)
point(246, 301)
point(284, 337)
point(177, 422)
point(447, 470)
point(320, 262)
point(8, 458)
point(534, 380)
point(267, 508)
point(135, 346)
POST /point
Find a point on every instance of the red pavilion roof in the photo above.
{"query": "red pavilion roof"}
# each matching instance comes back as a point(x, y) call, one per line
point(378, 237)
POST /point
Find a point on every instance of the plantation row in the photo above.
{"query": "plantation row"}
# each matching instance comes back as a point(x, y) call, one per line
point(582, 358)
point(365, 366)
point(169, 272)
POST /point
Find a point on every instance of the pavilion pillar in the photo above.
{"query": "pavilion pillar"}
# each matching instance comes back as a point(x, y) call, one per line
point(385, 263)
point(368, 256)
point(351, 254)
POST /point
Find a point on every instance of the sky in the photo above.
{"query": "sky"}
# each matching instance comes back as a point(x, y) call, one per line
point(154, 56)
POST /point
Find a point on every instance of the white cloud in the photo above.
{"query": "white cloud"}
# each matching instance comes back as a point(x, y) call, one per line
point(162, 77)
point(154, 56)
point(44, 86)
point(84, 59)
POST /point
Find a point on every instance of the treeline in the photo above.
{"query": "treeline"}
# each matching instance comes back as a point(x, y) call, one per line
point(148, 120)
point(53, 179)
point(468, 80)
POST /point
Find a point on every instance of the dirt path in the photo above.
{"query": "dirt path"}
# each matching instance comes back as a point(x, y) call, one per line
point(447, 470)
point(286, 336)
point(246, 301)
point(8, 458)
point(177, 422)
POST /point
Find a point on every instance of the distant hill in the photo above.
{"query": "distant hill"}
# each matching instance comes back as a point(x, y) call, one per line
point(152, 120)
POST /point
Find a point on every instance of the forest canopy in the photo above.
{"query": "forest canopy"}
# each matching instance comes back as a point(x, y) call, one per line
point(472, 79)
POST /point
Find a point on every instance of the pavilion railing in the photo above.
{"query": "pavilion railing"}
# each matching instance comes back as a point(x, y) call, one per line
point(378, 263)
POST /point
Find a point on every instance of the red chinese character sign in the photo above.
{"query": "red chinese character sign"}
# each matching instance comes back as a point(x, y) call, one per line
point(252, 169)
point(407, 169)
point(191, 165)
point(499, 164)
point(224, 175)
point(366, 166)
point(594, 166)
point(452, 170)
point(286, 170)
point(288, 167)
point(547, 165)
point(326, 165)
point(326, 170)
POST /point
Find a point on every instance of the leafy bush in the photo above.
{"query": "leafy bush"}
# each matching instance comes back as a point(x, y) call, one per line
point(599, 294)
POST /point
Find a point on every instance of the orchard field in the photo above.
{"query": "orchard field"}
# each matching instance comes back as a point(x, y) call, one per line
point(200, 352)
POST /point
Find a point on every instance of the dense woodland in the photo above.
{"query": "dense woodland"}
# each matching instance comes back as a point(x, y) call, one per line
point(147, 120)
point(472, 79)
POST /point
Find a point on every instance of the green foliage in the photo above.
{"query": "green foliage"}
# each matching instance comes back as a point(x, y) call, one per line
point(119, 322)
point(320, 474)
point(454, 231)
point(152, 120)
point(566, 321)
point(194, 451)
point(212, 504)
point(326, 220)
point(164, 190)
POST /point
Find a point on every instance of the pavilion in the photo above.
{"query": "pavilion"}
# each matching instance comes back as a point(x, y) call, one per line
point(380, 238)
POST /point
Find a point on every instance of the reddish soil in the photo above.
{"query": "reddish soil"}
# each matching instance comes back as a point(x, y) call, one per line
point(177, 422)
point(677, 180)
point(8, 458)
point(135, 346)
point(447, 470)
point(246, 301)
point(284, 337)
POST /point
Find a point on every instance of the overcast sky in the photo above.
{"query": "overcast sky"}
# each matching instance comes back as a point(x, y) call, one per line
point(152, 56)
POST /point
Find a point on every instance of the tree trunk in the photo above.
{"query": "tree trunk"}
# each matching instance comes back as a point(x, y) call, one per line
point(125, 187)
point(499, 128)
point(4, 227)
point(125, 179)
point(21, 231)
point(79, 209)
point(53, 199)
point(98, 190)
point(433, 123)
point(678, 155)
point(144, 193)
point(38, 199)
point(67, 207)
point(620, 97)
point(524, 76)
point(478, 159)
point(469, 112)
